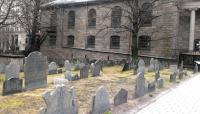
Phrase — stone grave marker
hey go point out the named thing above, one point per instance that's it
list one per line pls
(12, 85)
(96, 70)
(68, 75)
(121, 97)
(173, 77)
(60, 81)
(67, 65)
(160, 83)
(151, 86)
(126, 66)
(35, 70)
(100, 102)
(173, 68)
(2, 67)
(84, 72)
(157, 65)
(12, 71)
(152, 65)
(75, 77)
(141, 66)
(157, 75)
(61, 100)
(52, 68)
(140, 85)
(196, 68)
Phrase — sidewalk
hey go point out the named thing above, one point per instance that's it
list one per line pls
(185, 99)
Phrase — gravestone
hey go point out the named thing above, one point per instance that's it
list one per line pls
(84, 72)
(52, 68)
(35, 70)
(121, 97)
(61, 100)
(75, 77)
(12, 71)
(12, 85)
(96, 70)
(157, 65)
(126, 66)
(68, 75)
(196, 68)
(67, 65)
(141, 66)
(160, 83)
(2, 68)
(151, 87)
(140, 85)
(157, 75)
(92, 67)
(180, 75)
(60, 81)
(173, 77)
(99, 62)
(152, 65)
(100, 102)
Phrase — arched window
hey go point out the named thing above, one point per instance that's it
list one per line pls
(70, 41)
(116, 17)
(91, 41)
(71, 19)
(115, 42)
(146, 13)
(92, 18)
(144, 42)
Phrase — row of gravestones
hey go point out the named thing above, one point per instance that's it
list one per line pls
(35, 74)
(63, 100)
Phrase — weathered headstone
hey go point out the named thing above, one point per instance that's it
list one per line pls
(12, 71)
(52, 68)
(12, 85)
(157, 65)
(151, 87)
(60, 81)
(100, 102)
(152, 65)
(173, 77)
(96, 70)
(68, 75)
(196, 68)
(157, 75)
(2, 68)
(67, 65)
(180, 75)
(84, 72)
(160, 83)
(121, 97)
(140, 85)
(60, 101)
(141, 67)
(35, 70)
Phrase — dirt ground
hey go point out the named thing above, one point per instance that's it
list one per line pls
(29, 102)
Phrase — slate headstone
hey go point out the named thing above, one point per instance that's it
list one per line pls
(52, 68)
(96, 70)
(173, 77)
(60, 101)
(35, 70)
(196, 68)
(12, 85)
(100, 102)
(152, 65)
(84, 72)
(140, 85)
(151, 86)
(180, 75)
(157, 65)
(12, 71)
(68, 75)
(157, 75)
(67, 65)
(126, 67)
(141, 66)
(2, 68)
(160, 83)
(121, 97)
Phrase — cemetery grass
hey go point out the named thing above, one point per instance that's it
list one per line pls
(112, 78)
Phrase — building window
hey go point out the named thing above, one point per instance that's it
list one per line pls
(116, 17)
(115, 42)
(71, 19)
(70, 41)
(52, 40)
(91, 42)
(146, 13)
(144, 42)
(92, 18)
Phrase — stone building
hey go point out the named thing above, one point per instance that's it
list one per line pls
(78, 29)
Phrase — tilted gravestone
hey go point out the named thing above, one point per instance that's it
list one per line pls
(35, 70)
(160, 83)
(141, 66)
(126, 67)
(100, 102)
(60, 101)
(152, 65)
(140, 89)
(121, 97)
(12, 85)
(84, 72)
(68, 75)
(12, 71)
(52, 68)
(67, 65)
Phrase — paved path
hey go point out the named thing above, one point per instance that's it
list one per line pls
(185, 99)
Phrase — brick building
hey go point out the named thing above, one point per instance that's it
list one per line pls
(78, 29)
